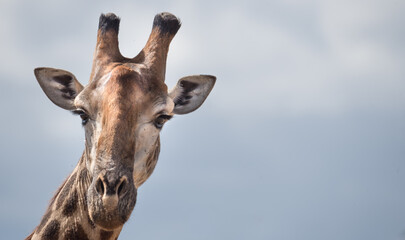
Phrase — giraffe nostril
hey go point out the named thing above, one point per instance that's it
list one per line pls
(100, 186)
(122, 186)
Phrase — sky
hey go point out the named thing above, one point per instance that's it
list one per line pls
(302, 137)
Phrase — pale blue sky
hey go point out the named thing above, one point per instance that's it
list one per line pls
(303, 136)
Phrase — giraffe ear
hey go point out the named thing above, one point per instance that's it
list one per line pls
(190, 92)
(60, 86)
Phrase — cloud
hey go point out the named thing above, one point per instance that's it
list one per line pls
(332, 62)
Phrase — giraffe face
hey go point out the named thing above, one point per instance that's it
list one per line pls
(122, 119)
(123, 109)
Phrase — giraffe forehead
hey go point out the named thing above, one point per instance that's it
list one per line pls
(122, 85)
(130, 84)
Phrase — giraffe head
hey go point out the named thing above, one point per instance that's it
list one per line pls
(123, 108)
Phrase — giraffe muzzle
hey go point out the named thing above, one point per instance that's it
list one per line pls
(111, 199)
(111, 191)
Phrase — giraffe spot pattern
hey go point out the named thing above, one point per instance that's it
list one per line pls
(44, 220)
(65, 190)
(70, 204)
(75, 232)
(51, 230)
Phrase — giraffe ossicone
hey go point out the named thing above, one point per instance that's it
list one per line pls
(123, 108)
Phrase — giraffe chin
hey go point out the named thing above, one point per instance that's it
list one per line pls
(109, 221)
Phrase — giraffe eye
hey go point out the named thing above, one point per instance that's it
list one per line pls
(83, 115)
(160, 121)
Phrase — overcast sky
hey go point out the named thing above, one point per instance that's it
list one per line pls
(303, 136)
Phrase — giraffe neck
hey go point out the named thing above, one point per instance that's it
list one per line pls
(67, 215)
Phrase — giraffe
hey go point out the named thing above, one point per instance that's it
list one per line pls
(122, 109)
